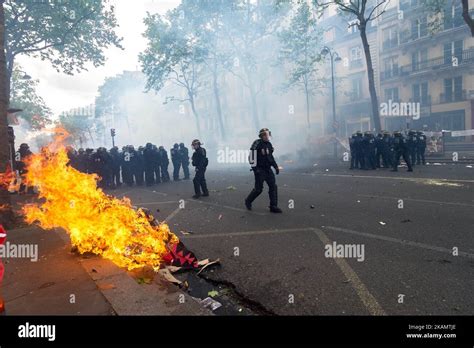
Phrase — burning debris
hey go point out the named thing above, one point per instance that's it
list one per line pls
(98, 223)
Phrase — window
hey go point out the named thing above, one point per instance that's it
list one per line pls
(419, 28)
(390, 37)
(452, 90)
(453, 49)
(356, 92)
(420, 93)
(391, 94)
(419, 59)
(356, 53)
(452, 17)
(391, 67)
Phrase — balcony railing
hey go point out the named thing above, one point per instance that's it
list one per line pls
(453, 97)
(467, 57)
(425, 101)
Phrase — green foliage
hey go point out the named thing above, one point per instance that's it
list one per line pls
(67, 33)
(23, 96)
(300, 42)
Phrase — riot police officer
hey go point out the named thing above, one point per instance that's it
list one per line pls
(164, 163)
(149, 165)
(115, 167)
(176, 159)
(139, 167)
(352, 146)
(360, 162)
(21, 156)
(412, 145)
(200, 162)
(400, 148)
(184, 157)
(368, 149)
(420, 148)
(262, 161)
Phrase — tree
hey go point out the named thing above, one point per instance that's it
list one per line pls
(68, 33)
(78, 126)
(439, 6)
(5, 214)
(363, 12)
(174, 54)
(299, 49)
(23, 96)
(249, 26)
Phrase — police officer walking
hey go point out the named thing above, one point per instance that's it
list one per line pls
(262, 161)
(200, 162)
(400, 148)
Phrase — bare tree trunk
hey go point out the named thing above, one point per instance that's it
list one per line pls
(467, 17)
(196, 116)
(218, 102)
(370, 74)
(6, 216)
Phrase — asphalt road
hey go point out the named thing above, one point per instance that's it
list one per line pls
(279, 261)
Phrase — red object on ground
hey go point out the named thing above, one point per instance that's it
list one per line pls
(180, 256)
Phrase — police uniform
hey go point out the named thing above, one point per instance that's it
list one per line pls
(200, 162)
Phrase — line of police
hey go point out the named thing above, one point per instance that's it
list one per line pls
(146, 165)
(385, 150)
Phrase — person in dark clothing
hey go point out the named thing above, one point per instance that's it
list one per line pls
(115, 167)
(81, 161)
(156, 164)
(164, 163)
(368, 149)
(176, 159)
(148, 161)
(128, 162)
(102, 165)
(139, 167)
(89, 161)
(379, 150)
(412, 145)
(262, 152)
(200, 162)
(420, 148)
(386, 152)
(21, 156)
(360, 162)
(400, 148)
(184, 157)
(352, 146)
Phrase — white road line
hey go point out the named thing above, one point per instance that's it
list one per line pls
(227, 207)
(249, 233)
(364, 294)
(151, 203)
(155, 192)
(386, 177)
(419, 200)
(172, 215)
(400, 241)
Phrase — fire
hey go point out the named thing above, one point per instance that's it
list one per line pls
(9, 181)
(95, 222)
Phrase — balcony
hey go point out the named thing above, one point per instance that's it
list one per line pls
(467, 57)
(453, 97)
(356, 63)
(425, 101)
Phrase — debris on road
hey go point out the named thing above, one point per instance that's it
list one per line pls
(382, 223)
(210, 303)
(312, 206)
(231, 188)
(220, 217)
(213, 293)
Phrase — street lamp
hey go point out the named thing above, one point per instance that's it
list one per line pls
(334, 58)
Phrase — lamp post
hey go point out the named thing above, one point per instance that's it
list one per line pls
(334, 58)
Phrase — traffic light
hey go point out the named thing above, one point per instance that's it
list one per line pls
(112, 132)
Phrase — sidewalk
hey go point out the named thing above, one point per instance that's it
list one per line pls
(61, 282)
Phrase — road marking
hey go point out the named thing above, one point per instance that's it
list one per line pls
(400, 241)
(172, 215)
(227, 207)
(387, 177)
(249, 233)
(419, 200)
(364, 294)
(155, 192)
(150, 203)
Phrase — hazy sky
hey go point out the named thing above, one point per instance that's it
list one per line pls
(62, 92)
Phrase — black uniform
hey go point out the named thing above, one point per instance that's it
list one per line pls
(387, 152)
(412, 145)
(368, 149)
(352, 146)
(115, 167)
(200, 162)
(164, 163)
(184, 157)
(23, 153)
(360, 162)
(420, 148)
(176, 159)
(139, 167)
(379, 151)
(128, 161)
(156, 164)
(262, 169)
(400, 148)
(148, 164)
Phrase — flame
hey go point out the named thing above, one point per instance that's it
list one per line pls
(95, 222)
(9, 180)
